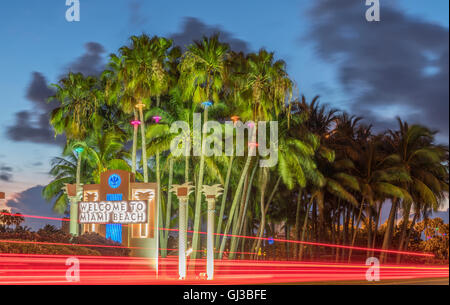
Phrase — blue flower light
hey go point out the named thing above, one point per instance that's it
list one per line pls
(207, 104)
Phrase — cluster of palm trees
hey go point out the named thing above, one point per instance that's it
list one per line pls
(7, 218)
(333, 175)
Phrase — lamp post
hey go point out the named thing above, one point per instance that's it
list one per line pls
(211, 193)
(182, 192)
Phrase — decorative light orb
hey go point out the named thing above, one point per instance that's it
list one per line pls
(235, 118)
(135, 122)
(252, 144)
(251, 124)
(79, 150)
(207, 104)
(156, 118)
(140, 105)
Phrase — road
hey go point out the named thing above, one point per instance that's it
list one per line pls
(52, 269)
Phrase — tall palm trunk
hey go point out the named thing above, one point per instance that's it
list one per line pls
(297, 222)
(389, 229)
(411, 228)
(355, 229)
(404, 228)
(247, 199)
(198, 195)
(305, 225)
(338, 231)
(224, 200)
(237, 194)
(144, 146)
(237, 219)
(377, 221)
(369, 229)
(264, 207)
(165, 238)
(133, 153)
(74, 227)
(186, 180)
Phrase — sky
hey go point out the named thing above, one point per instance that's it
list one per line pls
(380, 70)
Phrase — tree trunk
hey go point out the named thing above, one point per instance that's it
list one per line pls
(74, 226)
(369, 229)
(133, 153)
(305, 225)
(244, 210)
(168, 211)
(297, 222)
(198, 195)
(356, 230)
(389, 229)
(405, 242)
(236, 195)
(404, 229)
(338, 232)
(262, 222)
(144, 146)
(266, 208)
(224, 200)
(375, 233)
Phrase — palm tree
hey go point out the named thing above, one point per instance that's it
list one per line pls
(201, 78)
(379, 174)
(141, 75)
(266, 87)
(422, 159)
(115, 81)
(64, 172)
(104, 151)
(79, 99)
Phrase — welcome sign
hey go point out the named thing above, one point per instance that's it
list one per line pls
(121, 212)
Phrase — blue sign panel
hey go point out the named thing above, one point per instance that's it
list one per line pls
(114, 231)
(114, 181)
(114, 197)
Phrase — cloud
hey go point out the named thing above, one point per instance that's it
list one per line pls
(5, 173)
(195, 29)
(398, 66)
(33, 125)
(91, 63)
(30, 202)
(136, 18)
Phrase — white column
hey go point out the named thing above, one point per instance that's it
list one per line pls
(210, 239)
(182, 238)
(73, 216)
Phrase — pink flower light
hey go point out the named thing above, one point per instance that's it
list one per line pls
(135, 122)
(157, 118)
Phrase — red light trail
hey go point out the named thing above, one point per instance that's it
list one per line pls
(104, 270)
(264, 238)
